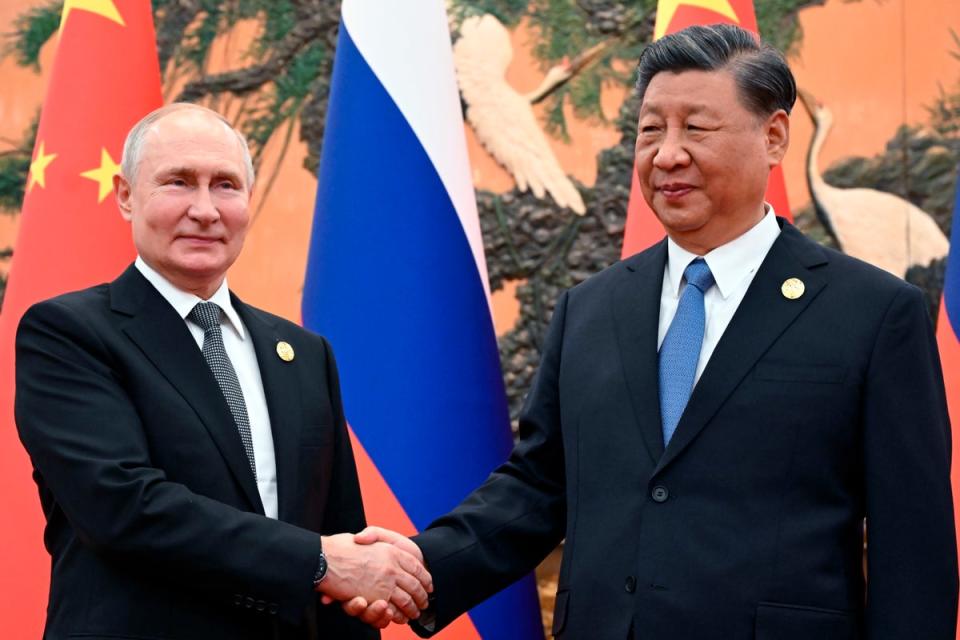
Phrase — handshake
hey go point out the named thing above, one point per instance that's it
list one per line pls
(377, 575)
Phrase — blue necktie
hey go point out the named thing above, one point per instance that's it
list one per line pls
(680, 350)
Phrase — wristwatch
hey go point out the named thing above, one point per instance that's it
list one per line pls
(321, 572)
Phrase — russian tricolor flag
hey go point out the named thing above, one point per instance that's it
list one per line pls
(948, 339)
(397, 281)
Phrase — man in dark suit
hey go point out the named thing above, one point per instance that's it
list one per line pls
(714, 418)
(190, 450)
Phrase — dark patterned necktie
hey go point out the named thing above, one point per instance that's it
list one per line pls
(207, 316)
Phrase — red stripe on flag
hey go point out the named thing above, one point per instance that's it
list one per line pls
(384, 510)
(949, 347)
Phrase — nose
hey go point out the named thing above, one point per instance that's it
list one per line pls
(202, 208)
(672, 152)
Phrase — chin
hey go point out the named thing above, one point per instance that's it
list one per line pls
(679, 221)
(201, 271)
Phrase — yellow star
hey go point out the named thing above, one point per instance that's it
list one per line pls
(105, 8)
(103, 174)
(38, 167)
(667, 8)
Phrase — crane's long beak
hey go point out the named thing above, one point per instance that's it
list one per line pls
(809, 103)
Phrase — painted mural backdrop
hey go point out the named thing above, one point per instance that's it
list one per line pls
(546, 91)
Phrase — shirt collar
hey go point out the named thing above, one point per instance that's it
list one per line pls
(184, 302)
(729, 263)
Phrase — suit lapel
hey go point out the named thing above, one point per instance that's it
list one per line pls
(763, 314)
(163, 337)
(281, 385)
(637, 316)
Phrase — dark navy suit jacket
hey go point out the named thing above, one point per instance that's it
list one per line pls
(812, 415)
(154, 522)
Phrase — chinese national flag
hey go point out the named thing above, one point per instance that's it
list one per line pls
(642, 227)
(104, 78)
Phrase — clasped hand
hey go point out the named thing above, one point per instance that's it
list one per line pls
(377, 575)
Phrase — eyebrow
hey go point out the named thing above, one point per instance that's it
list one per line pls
(694, 110)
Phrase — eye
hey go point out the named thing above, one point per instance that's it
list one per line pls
(649, 128)
(699, 126)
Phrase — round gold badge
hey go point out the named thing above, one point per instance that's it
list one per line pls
(792, 288)
(285, 351)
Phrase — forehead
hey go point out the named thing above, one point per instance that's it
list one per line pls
(692, 90)
(191, 137)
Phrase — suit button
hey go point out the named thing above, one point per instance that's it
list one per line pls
(630, 585)
(659, 493)
(249, 602)
(273, 608)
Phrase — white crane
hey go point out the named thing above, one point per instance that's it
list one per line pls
(502, 118)
(875, 226)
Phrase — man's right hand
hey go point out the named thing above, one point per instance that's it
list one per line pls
(375, 572)
(371, 535)
(379, 613)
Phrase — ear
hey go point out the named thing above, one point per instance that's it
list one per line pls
(121, 187)
(777, 134)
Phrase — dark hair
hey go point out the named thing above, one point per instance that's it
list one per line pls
(764, 80)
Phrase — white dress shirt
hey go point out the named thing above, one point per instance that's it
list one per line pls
(733, 266)
(240, 350)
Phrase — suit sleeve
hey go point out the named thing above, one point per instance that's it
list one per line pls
(503, 529)
(911, 545)
(344, 511)
(92, 458)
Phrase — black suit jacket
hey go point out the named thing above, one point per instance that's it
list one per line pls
(154, 522)
(811, 415)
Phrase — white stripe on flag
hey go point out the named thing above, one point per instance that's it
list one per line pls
(407, 44)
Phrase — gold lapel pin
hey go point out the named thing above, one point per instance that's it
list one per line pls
(285, 351)
(792, 288)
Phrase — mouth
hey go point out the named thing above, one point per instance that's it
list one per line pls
(675, 190)
(200, 240)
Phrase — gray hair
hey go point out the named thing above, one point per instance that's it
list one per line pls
(133, 145)
(764, 81)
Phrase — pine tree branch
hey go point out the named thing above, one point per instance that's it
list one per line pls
(316, 19)
(171, 26)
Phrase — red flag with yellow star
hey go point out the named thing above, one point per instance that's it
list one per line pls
(104, 78)
(642, 227)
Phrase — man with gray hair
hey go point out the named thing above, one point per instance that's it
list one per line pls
(714, 418)
(190, 450)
